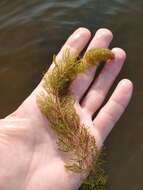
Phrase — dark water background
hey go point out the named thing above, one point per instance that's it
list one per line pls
(32, 30)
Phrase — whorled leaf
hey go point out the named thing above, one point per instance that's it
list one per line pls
(57, 104)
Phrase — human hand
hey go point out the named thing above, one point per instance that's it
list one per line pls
(29, 156)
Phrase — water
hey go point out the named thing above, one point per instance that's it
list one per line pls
(31, 30)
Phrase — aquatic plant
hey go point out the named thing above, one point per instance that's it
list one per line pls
(57, 104)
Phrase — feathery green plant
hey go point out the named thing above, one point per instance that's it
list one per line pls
(57, 104)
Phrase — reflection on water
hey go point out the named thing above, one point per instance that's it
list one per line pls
(31, 30)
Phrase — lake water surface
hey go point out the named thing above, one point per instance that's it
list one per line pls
(32, 30)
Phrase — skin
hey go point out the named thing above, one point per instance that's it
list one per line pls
(29, 158)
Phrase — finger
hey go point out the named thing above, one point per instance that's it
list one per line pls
(112, 111)
(102, 38)
(75, 43)
(102, 84)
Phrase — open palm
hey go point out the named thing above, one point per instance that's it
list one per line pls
(29, 158)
